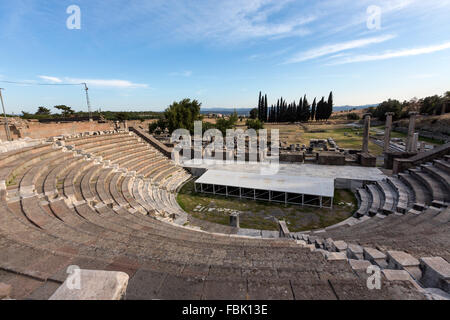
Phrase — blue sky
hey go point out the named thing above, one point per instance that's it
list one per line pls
(143, 55)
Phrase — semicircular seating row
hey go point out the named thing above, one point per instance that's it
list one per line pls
(406, 212)
(104, 202)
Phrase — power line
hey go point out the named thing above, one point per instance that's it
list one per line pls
(55, 84)
(42, 84)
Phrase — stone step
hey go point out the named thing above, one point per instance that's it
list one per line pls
(403, 197)
(364, 202)
(376, 199)
(389, 197)
(436, 189)
(436, 273)
(421, 193)
(443, 165)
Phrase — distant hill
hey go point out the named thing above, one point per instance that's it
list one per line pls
(226, 111)
(347, 108)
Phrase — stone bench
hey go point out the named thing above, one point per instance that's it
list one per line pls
(421, 195)
(93, 285)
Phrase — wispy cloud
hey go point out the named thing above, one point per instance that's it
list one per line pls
(51, 79)
(106, 83)
(220, 21)
(186, 74)
(394, 54)
(336, 48)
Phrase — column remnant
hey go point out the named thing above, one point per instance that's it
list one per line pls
(411, 129)
(365, 147)
(387, 131)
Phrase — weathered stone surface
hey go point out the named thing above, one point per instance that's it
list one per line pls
(397, 275)
(436, 273)
(355, 251)
(5, 290)
(340, 246)
(283, 229)
(375, 256)
(359, 264)
(332, 256)
(94, 285)
(400, 259)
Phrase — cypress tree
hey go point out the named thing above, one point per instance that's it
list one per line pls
(306, 109)
(266, 109)
(259, 105)
(330, 105)
(300, 110)
(313, 110)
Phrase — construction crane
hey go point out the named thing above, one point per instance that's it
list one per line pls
(87, 101)
(8, 133)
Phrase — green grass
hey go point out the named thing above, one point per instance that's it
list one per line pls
(353, 139)
(395, 134)
(261, 214)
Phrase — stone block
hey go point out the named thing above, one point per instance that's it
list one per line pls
(401, 260)
(397, 275)
(284, 231)
(375, 256)
(328, 244)
(355, 252)
(234, 220)
(340, 246)
(93, 285)
(5, 290)
(336, 256)
(359, 264)
(435, 273)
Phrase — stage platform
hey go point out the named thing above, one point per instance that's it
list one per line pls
(288, 189)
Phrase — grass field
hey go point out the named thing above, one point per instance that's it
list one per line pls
(395, 134)
(345, 136)
(260, 215)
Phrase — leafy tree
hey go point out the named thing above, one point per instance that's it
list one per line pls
(255, 124)
(254, 113)
(224, 124)
(388, 106)
(122, 116)
(353, 116)
(65, 110)
(43, 111)
(182, 115)
(431, 105)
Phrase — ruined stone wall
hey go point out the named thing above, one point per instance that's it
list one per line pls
(36, 130)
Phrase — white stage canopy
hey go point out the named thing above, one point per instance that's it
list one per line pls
(314, 186)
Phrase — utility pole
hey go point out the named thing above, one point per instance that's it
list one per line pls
(88, 102)
(8, 133)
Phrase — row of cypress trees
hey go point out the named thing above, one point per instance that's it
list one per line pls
(302, 111)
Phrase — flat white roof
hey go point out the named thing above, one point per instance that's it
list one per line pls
(303, 170)
(315, 186)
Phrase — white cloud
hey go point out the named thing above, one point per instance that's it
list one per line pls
(106, 83)
(51, 79)
(229, 21)
(394, 54)
(336, 48)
